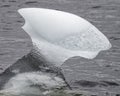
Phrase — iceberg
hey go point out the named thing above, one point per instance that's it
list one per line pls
(58, 35)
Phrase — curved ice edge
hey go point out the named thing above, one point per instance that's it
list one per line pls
(53, 53)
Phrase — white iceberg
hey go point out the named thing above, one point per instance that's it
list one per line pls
(60, 35)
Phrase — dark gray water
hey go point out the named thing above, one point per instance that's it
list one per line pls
(100, 75)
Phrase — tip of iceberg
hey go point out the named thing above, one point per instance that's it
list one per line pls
(62, 35)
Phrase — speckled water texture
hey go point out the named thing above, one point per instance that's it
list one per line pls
(100, 76)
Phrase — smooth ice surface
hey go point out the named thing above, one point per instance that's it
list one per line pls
(62, 35)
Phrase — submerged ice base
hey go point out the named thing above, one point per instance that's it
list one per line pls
(59, 35)
(32, 83)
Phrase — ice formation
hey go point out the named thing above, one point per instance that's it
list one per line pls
(32, 83)
(60, 35)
